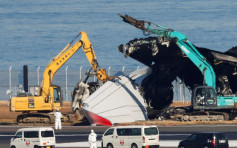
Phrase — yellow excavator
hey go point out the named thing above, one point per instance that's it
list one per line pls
(50, 97)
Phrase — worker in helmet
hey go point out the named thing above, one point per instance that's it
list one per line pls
(92, 139)
(57, 117)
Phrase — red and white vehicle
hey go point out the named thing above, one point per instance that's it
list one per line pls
(41, 137)
(131, 137)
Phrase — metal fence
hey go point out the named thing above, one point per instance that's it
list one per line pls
(11, 81)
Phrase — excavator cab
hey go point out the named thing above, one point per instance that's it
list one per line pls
(204, 97)
(57, 94)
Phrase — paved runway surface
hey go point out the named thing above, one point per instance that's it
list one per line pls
(77, 136)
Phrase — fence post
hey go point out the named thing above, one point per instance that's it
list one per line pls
(10, 81)
(138, 68)
(80, 72)
(38, 69)
(177, 89)
(123, 68)
(180, 90)
(66, 83)
(109, 70)
(184, 93)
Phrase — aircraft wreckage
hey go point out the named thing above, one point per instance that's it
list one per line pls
(209, 74)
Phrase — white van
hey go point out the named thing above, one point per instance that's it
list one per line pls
(41, 137)
(131, 137)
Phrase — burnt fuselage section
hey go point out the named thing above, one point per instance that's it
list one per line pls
(169, 62)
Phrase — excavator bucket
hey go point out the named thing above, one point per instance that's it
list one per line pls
(140, 24)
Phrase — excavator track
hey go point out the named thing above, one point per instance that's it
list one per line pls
(205, 116)
(34, 118)
(42, 118)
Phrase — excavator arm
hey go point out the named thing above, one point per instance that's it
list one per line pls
(90, 54)
(58, 61)
(167, 35)
(55, 64)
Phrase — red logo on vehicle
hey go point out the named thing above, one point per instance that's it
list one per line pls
(27, 143)
(122, 142)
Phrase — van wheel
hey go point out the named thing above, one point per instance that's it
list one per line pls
(13, 146)
(109, 146)
(181, 146)
(206, 147)
(134, 146)
(36, 146)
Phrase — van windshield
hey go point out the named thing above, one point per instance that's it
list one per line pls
(18, 135)
(151, 131)
(47, 134)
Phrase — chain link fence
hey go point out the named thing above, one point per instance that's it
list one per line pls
(12, 81)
